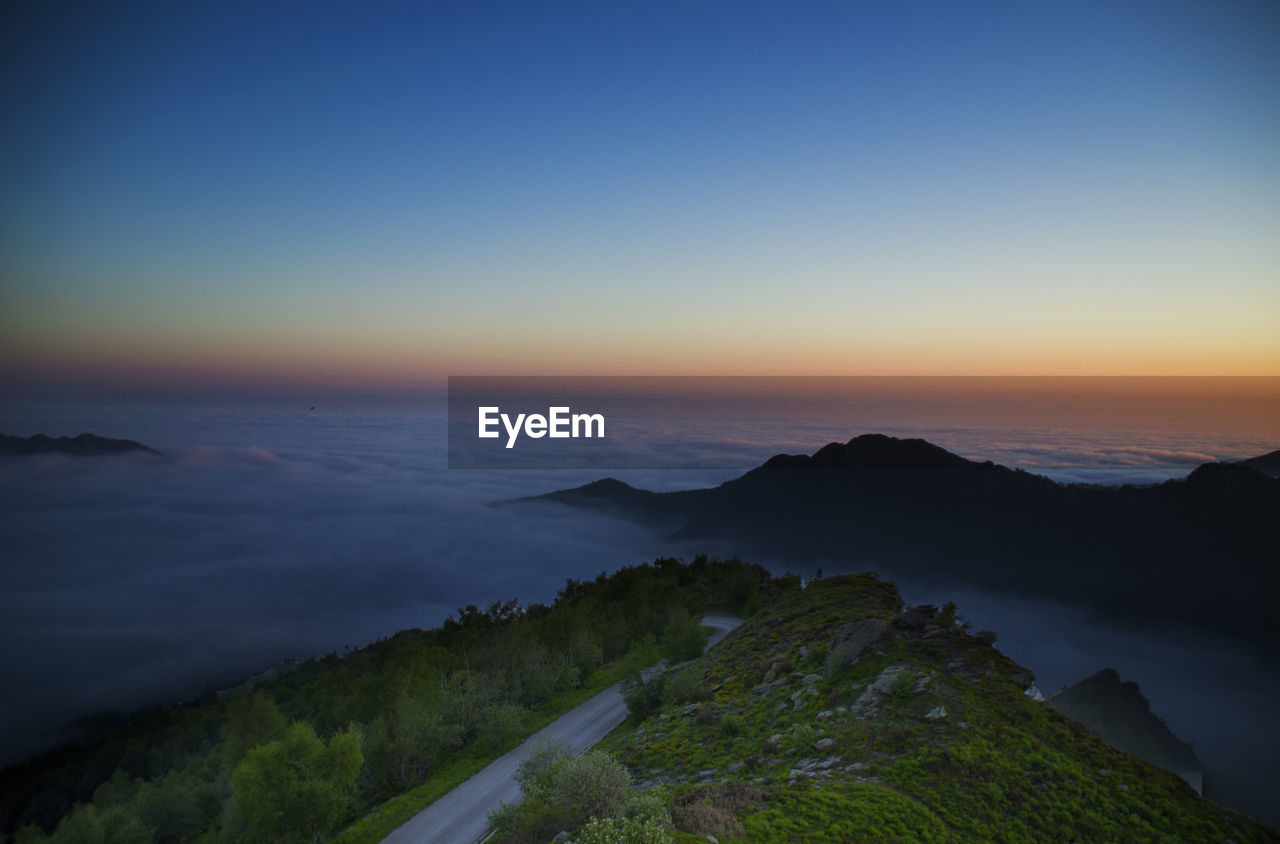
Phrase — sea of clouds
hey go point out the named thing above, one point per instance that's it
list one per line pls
(271, 531)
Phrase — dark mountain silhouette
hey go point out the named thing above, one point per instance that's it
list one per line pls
(85, 445)
(1199, 551)
(1121, 716)
(1266, 463)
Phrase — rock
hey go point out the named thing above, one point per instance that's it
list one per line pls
(987, 637)
(706, 774)
(824, 715)
(824, 743)
(869, 701)
(735, 767)
(764, 688)
(937, 713)
(797, 698)
(811, 678)
(711, 838)
(916, 618)
(921, 683)
(851, 641)
(1034, 693)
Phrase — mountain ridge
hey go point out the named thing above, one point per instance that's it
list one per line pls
(1197, 551)
(82, 445)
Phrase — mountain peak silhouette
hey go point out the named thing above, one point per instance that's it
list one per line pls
(872, 451)
(1197, 551)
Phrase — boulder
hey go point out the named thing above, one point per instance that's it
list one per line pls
(851, 641)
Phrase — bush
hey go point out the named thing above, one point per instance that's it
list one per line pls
(731, 726)
(540, 759)
(643, 695)
(624, 831)
(650, 804)
(683, 639)
(902, 688)
(562, 794)
(685, 686)
(706, 819)
(500, 726)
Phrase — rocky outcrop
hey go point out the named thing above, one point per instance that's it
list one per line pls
(851, 641)
(1119, 714)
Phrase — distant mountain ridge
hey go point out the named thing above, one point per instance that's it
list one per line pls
(1268, 463)
(1199, 551)
(1121, 716)
(84, 445)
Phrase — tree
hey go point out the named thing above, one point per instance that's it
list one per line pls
(298, 788)
(682, 638)
(562, 793)
(252, 719)
(401, 747)
(88, 825)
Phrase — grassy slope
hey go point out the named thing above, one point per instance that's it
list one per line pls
(998, 767)
(379, 823)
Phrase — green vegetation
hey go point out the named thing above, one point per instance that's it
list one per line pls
(562, 791)
(366, 740)
(297, 788)
(833, 714)
(802, 726)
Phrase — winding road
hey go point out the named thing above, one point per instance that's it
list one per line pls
(462, 814)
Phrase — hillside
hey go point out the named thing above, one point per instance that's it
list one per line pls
(366, 738)
(838, 716)
(1268, 464)
(1131, 554)
(1121, 716)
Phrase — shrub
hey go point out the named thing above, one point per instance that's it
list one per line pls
(902, 688)
(683, 639)
(685, 686)
(562, 793)
(804, 735)
(650, 804)
(592, 784)
(713, 810)
(643, 695)
(542, 756)
(500, 726)
(624, 831)
(731, 726)
(704, 818)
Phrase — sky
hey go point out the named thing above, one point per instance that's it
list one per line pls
(386, 193)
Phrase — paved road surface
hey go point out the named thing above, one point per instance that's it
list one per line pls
(461, 815)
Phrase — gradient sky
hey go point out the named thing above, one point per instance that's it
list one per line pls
(387, 193)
